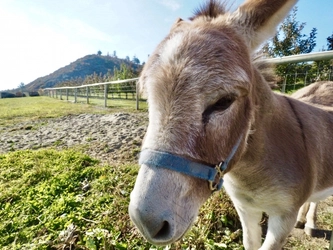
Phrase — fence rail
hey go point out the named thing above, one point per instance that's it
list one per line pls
(315, 56)
(128, 88)
(304, 75)
(101, 90)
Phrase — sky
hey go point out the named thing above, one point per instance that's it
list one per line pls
(37, 37)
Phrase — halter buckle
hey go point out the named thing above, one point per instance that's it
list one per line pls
(214, 185)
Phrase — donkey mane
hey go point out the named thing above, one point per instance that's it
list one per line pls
(210, 9)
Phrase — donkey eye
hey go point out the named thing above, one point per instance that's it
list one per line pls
(221, 105)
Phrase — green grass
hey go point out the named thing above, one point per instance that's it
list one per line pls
(13, 110)
(111, 103)
(55, 199)
(51, 198)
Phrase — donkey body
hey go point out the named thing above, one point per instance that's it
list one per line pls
(209, 103)
(319, 93)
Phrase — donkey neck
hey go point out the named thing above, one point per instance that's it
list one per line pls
(273, 147)
(270, 113)
(265, 103)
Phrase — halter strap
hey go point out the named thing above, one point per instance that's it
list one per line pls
(214, 175)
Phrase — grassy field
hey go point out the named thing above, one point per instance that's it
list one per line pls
(21, 109)
(32, 108)
(51, 199)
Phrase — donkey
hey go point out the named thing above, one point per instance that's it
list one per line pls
(318, 93)
(214, 120)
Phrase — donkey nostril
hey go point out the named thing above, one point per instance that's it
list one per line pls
(164, 231)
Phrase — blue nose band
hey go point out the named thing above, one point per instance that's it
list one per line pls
(214, 175)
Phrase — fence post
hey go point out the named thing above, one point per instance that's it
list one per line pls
(67, 94)
(283, 90)
(105, 95)
(75, 95)
(137, 94)
(306, 76)
(60, 94)
(87, 93)
(56, 93)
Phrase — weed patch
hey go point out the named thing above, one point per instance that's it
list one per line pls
(44, 193)
(53, 199)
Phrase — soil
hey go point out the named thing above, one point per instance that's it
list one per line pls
(109, 138)
(113, 138)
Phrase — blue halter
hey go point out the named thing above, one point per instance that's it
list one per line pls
(214, 175)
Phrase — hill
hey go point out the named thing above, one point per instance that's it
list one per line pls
(82, 67)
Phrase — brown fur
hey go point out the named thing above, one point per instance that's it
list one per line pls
(319, 93)
(316, 93)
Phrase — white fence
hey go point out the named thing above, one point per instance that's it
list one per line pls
(121, 89)
(315, 56)
(127, 89)
(303, 77)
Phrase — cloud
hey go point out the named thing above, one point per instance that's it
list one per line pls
(171, 4)
(71, 27)
(81, 29)
(32, 49)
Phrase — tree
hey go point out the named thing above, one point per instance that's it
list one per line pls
(21, 86)
(135, 60)
(99, 53)
(289, 40)
(125, 72)
(330, 42)
(322, 70)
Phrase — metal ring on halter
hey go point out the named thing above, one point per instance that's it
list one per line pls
(217, 183)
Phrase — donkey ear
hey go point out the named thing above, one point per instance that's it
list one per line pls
(258, 19)
(176, 24)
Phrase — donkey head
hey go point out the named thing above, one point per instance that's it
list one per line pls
(199, 84)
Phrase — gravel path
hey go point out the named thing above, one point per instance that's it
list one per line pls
(109, 138)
